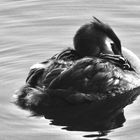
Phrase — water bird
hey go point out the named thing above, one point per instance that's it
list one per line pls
(97, 79)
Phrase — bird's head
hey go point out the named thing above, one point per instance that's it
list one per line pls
(95, 38)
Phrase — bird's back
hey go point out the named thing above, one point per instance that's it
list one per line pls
(94, 76)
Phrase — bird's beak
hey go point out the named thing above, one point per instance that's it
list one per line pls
(115, 56)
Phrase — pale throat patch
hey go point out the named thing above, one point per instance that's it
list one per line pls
(108, 43)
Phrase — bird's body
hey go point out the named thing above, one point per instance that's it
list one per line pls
(77, 80)
(80, 83)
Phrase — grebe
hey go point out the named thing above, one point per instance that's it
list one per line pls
(96, 78)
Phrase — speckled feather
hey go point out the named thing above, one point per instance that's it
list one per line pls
(83, 80)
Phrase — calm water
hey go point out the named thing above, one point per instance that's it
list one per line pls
(33, 30)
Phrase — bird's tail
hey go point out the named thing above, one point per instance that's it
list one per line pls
(30, 98)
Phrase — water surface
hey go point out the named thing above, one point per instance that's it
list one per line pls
(32, 31)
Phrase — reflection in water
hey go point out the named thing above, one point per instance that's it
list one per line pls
(90, 122)
(97, 125)
(101, 117)
(101, 139)
(99, 135)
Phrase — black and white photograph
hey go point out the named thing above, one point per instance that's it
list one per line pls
(69, 70)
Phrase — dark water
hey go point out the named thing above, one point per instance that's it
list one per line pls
(33, 30)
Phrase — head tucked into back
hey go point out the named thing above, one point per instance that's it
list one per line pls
(90, 39)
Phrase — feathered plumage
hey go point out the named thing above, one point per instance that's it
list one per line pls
(83, 80)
